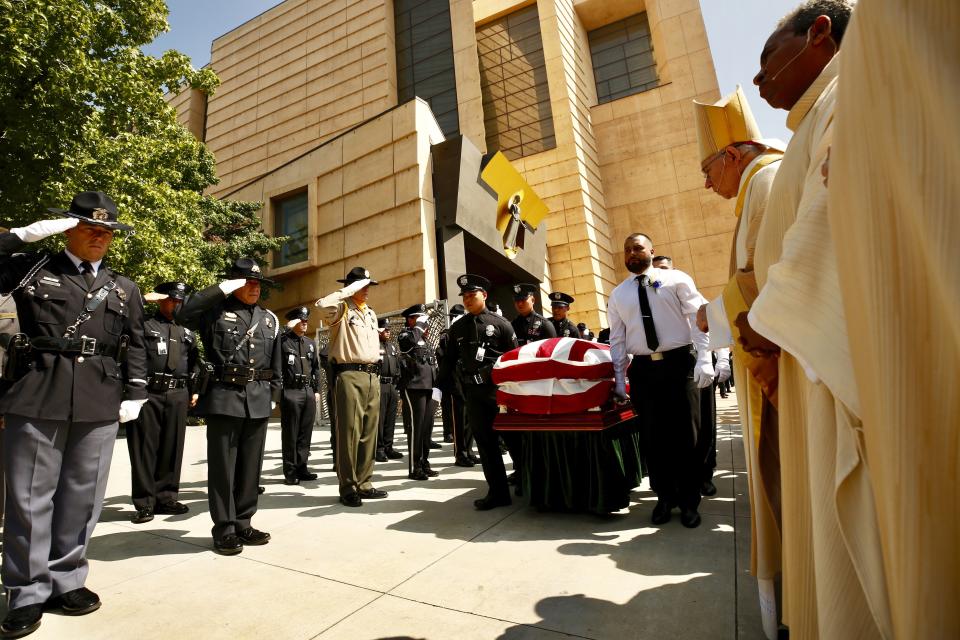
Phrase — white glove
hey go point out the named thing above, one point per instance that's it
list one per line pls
(437, 395)
(273, 405)
(44, 229)
(723, 366)
(703, 374)
(130, 409)
(229, 286)
(351, 289)
(422, 321)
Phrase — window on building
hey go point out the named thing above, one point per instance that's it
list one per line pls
(290, 219)
(622, 55)
(513, 80)
(425, 65)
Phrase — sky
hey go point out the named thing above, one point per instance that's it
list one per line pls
(736, 29)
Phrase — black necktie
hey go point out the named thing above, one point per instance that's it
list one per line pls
(648, 329)
(87, 270)
(174, 353)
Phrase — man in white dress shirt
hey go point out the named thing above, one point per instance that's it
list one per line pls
(652, 317)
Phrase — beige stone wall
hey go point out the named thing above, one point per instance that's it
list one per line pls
(466, 61)
(648, 154)
(371, 194)
(191, 106)
(296, 75)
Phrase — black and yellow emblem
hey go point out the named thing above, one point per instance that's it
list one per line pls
(519, 209)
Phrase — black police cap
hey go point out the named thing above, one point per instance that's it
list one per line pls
(415, 310)
(457, 310)
(559, 299)
(524, 289)
(470, 282)
(175, 290)
(298, 313)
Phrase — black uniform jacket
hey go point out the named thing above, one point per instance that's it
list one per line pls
(390, 361)
(162, 337)
(565, 328)
(223, 324)
(532, 328)
(300, 358)
(67, 386)
(486, 331)
(418, 360)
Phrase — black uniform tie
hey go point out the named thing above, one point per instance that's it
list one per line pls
(86, 269)
(649, 329)
(175, 353)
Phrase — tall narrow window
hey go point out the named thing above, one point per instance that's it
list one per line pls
(622, 55)
(290, 219)
(513, 79)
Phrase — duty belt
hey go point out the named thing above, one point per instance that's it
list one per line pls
(357, 366)
(161, 382)
(82, 346)
(482, 376)
(241, 375)
(388, 379)
(296, 381)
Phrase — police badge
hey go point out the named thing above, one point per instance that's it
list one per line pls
(489, 330)
(100, 214)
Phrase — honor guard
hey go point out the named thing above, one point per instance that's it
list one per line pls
(355, 355)
(389, 395)
(298, 400)
(560, 306)
(529, 325)
(76, 367)
(241, 341)
(451, 404)
(418, 379)
(475, 343)
(155, 441)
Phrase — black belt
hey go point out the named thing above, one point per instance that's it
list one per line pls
(388, 379)
(658, 356)
(478, 377)
(241, 375)
(79, 346)
(357, 366)
(296, 384)
(165, 382)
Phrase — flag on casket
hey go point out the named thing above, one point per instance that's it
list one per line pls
(554, 376)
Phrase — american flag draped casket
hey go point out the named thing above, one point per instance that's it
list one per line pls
(554, 376)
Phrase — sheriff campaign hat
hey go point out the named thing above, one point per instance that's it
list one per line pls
(94, 207)
(357, 273)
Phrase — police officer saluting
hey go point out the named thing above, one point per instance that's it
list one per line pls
(301, 392)
(240, 339)
(155, 442)
(389, 396)
(560, 305)
(419, 379)
(475, 343)
(79, 367)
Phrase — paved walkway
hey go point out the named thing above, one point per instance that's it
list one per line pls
(421, 564)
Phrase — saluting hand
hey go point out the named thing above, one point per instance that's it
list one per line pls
(229, 286)
(44, 229)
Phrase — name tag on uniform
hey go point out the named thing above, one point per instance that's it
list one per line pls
(162, 347)
(480, 353)
(51, 281)
(230, 316)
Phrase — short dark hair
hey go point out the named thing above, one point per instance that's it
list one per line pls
(659, 258)
(803, 17)
(638, 235)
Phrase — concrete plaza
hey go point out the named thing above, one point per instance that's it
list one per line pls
(420, 564)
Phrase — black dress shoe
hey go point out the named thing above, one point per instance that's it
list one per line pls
(171, 508)
(261, 490)
(708, 488)
(143, 515)
(253, 536)
(306, 476)
(435, 445)
(661, 513)
(78, 602)
(21, 621)
(393, 454)
(448, 439)
(291, 481)
(372, 494)
(463, 462)
(228, 545)
(351, 500)
(489, 502)
(418, 474)
(430, 472)
(380, 457)
(689, 518)
(474, 459)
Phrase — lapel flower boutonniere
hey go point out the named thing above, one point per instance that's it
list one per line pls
(653, 284)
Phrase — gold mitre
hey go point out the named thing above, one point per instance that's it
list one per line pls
(721, 124)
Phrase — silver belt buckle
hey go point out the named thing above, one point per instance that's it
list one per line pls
(252, 377)
(88, 346)
(656, 356)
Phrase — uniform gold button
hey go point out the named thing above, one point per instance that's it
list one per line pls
(89, 295)
(251, 360)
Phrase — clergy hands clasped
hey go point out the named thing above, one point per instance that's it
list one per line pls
(751, 341)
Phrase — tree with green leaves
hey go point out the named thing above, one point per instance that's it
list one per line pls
(82, 108)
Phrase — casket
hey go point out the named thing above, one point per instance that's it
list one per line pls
(578, 421)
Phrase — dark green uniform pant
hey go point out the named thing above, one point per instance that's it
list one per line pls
(357, 401)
